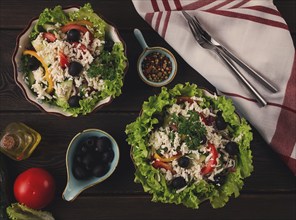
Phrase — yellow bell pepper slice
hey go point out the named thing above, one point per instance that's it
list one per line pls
(81, 22)
(47, 76)
(156, 156)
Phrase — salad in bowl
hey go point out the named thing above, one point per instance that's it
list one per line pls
(189, 146)
(70, 61)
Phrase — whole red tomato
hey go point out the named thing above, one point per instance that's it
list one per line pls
(35, 188)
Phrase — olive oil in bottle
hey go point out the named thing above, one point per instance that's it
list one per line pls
(18, 141)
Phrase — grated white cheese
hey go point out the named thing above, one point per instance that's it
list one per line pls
(38, 74)
(83, 52)
(159, 140)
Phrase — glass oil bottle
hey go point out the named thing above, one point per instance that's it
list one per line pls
(18, 141)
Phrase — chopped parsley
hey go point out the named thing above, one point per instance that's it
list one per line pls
(190, 128)
(105, 66)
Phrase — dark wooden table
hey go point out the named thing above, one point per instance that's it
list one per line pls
(270, 193)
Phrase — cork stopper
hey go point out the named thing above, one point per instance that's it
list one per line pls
(8, 142)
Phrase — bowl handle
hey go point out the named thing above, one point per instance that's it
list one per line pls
(71, 192)
(140, 38)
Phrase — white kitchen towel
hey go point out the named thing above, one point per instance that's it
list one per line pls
(253, 30)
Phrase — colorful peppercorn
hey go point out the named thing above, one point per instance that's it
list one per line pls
(156, 67)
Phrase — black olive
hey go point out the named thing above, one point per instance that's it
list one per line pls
(183, 162)
(178, 182)
(88, 160)
(80, 172)
(33, 63)
(160, 119)
(108, 46)
(73, 35)
(203, 139)
(99, 170)
(221, 124)
(73, 101)
(75, 68)
(107, 156)
(90, 142)
(219, 180)
(99, 148)
(103, 144)
(78, 158)
(81, 150)
(232, 148)
(219, 113)
(84, 149)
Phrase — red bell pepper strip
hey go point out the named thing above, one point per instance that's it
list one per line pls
(209, 167)
(157, 164)
(63, 60)
(80, 46)
(78, 27)
(50, 37)
(183, 99)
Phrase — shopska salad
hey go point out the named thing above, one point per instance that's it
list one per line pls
(189, 146)
(71, 62)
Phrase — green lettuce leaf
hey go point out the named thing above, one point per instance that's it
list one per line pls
(87, 13)
(153, 181)
(17, 211)
(49, 16)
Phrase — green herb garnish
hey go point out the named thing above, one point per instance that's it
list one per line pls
(191, 128)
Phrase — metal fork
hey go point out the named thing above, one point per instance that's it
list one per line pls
(202, 37)
(228, 54)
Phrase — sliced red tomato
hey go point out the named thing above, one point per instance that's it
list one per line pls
(212, 162)
(49, 36)
(157, 164)
(63, 60)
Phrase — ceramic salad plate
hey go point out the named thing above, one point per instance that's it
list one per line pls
(189, 146)
(70, 61)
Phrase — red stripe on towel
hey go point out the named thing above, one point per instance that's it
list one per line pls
(198, 4)
(284, 138)
(178, 4)
(287, 108)
(265, 9)
(240, 4)
(250, 17)
(165, 24)
(223, 3)
(154, 5)
(148, 17)
(158, 19)
(166, 5)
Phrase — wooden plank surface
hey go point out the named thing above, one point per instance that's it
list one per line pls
(270, 193)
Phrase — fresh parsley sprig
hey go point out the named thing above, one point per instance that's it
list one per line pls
(191, 128)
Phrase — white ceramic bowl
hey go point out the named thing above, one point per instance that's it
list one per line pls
(21, 44)
(148, 51)
(164, 52)
(74, 186)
